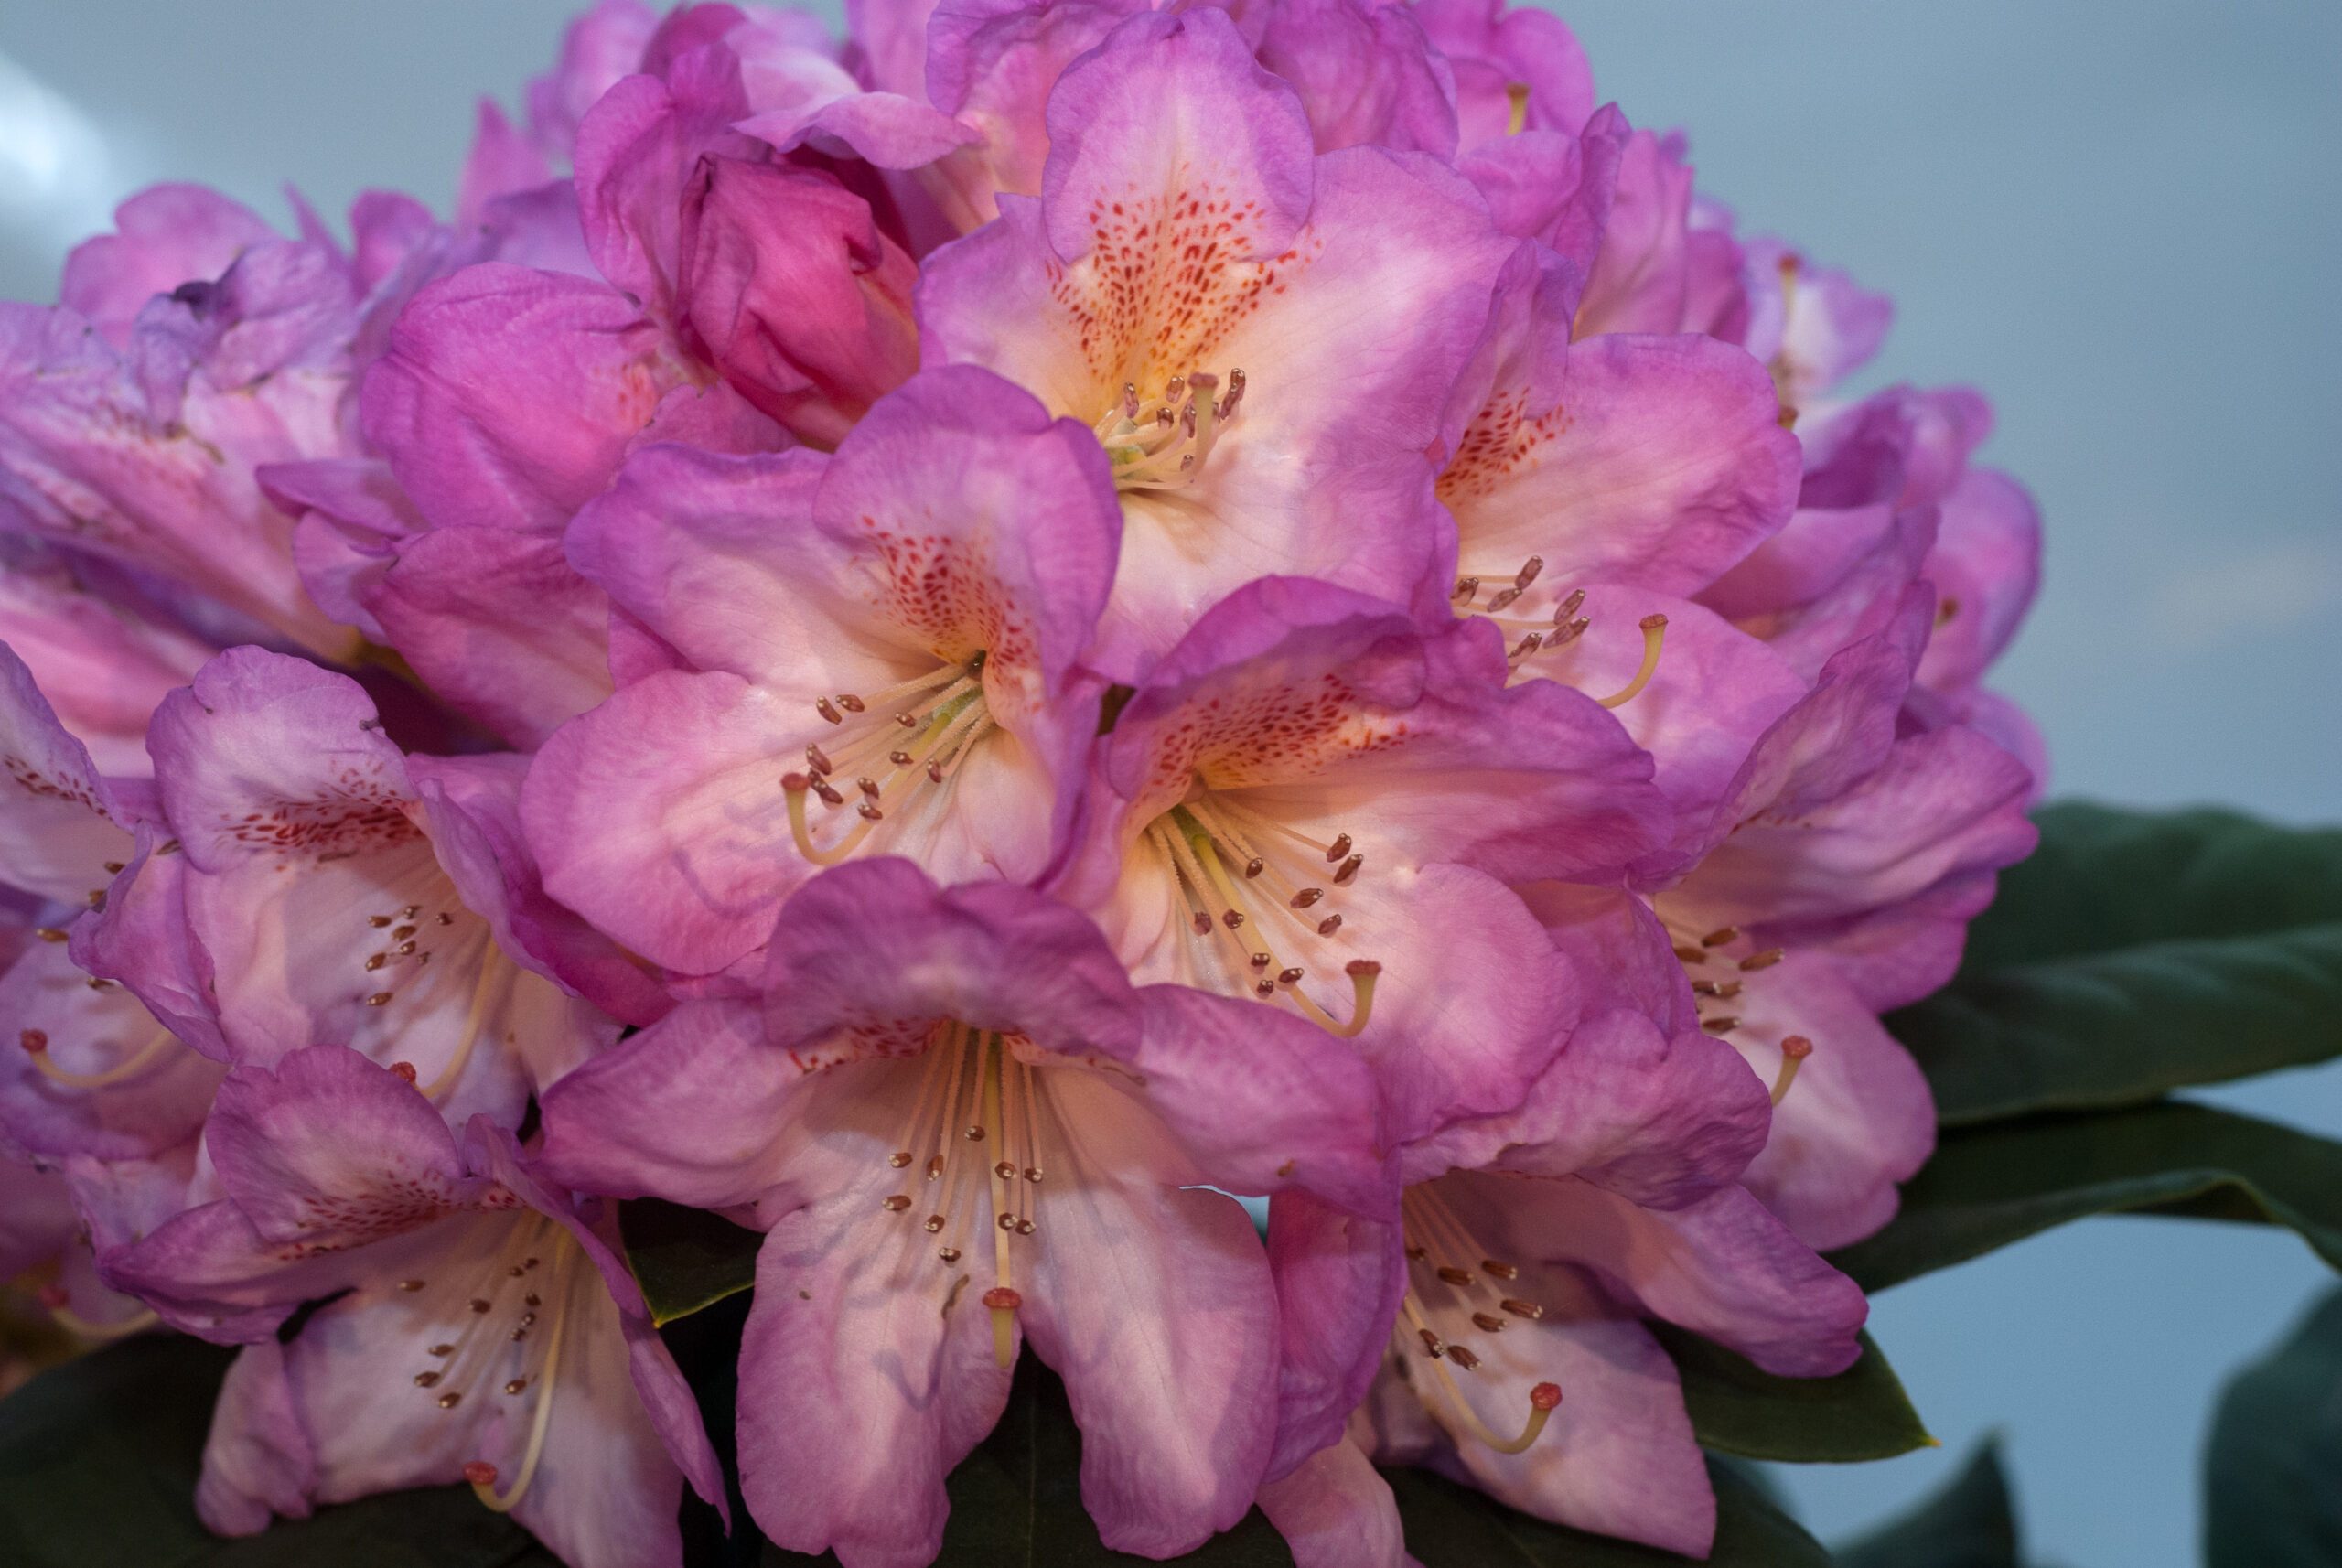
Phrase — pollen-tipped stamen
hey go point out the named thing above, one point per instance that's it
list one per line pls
(1794, 1050)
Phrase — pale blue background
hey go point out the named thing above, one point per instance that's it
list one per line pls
(2121, 219)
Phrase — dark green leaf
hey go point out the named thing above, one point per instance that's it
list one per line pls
(1992, 1185)
(1861, 1413)
(1968, 1524)
(1449, 1526)
(686, 1259)
(98, 1461)
(2273, 1469)
(2134, 954)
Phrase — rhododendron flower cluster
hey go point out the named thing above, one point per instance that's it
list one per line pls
(955, 644)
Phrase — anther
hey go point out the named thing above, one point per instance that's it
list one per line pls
(1488, 1323)
(1463, 1356)
(818, 760)
(426, 1379)
(1329, 925)
(1720, 936)
(934, 1167)
(1433, 1346)
(1529, 570)
(948, 1254)
(869, 787)
(1454, 1276)
(1289, 976)
(895, 1204)
(935, 772)
(1338, 848)
(1253, 868)
(1201, 922)
(974, 1134)
(1025, 1228)
(1262, 961)
(515, 1385)
(1527, 1309)
(442, 1349)
(1306, 897)
(828, 792)
(1690, 955)
(450, 1401)
(901, 758)
(907, 720)
(1005, 1170)
(378, 921)
(49, 933)
(828, 710)
(869, 812)
(402, 933)
(1349, 872)
(1032, 1173)
(1723, 1026)
(380, 999)
(849, 702)
(899, 1158)
(1497, 1270)
(1765, 960)
(1502, 599)
(377, 962)
(1722, 990)
(1569, 606)
(410, 1285)
(1466, 589)
(1265, 989)
(478, 1304)
(1231, 919)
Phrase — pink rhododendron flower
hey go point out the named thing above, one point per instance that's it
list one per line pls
(961, 1128)
(481, 1326)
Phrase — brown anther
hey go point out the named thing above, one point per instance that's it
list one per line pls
(518, 1335)
(442, 919)
(426, 1379)
(973, 1134)
(1722, 990)
(113, 865)
(34, 1041)
(478, 1304)
(1417, 1253)
(1454, 1276)
(1262, 960)
(901, 758)
(378, 921)
(1946, 610)
(1497, 1270)
(1349, 872)
(410, 1287)
(869, 787)
(1571, 632)
(1306, 897)
(533, 1298)
(899, 1158)
(1005, 1170)
(1569, 606)
(49, 933)
(935, 772)
(896, 1203)
(1527, 645)
(1466, 589)
(377, 962)
(818, 760)
(869, 812)
(849, 702)
(1253, 868)
(828, 710)
(1025, 1228)
(1463, 1356)
(404, 950)
(1032, 1173)
(1529, 570)
(1488, 1323)
(1008, 1222)
(948, 1254)
(1527, 1309)
(1690, 954)
(1432, 1345)
(1201, 922)
(1329, 925)
(1231, 919)
(1000, 1298)
(1723, 1026)
(1265, 988)
(830, 796)
(1765, 960)
(450, 1401)
(515, 1385)
(402, 933)
(1720, 936)
(1289, 976)
(442, 1349)
(1130, 399)
(934, 1167)
(907, 720)
(380, 999)
(97, 897)
(933, 1224)
(97, 982)
(1501, 598)
(1338, 848)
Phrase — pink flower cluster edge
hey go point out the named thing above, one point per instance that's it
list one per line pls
(953, 644)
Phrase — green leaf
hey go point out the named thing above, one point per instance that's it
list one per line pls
(686, 1259)
(98, 1461)
(1970, 1523)
(1861, 1413)
(1450, 1526)
(1992, 1185)
(2133, 954)
(2271, 1468)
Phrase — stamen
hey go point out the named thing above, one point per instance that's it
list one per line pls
(1654, 627)
(1794, 1050)
(36, 1044)
(493, 972)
